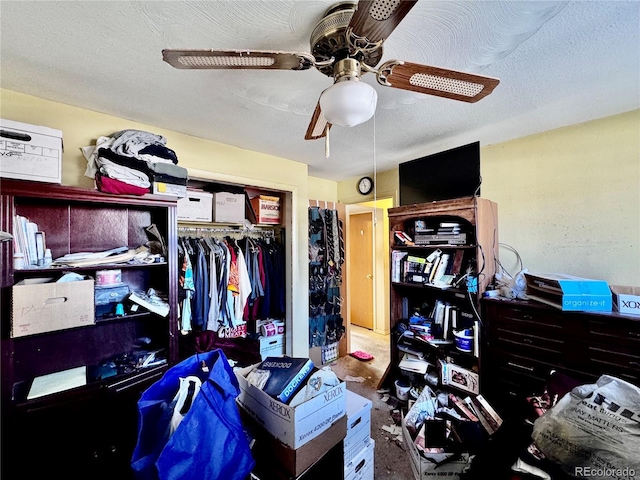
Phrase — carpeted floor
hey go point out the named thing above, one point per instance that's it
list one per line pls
(391, 461)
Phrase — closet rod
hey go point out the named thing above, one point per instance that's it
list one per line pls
(227, 231)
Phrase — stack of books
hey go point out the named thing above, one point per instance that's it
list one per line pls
(282, 377)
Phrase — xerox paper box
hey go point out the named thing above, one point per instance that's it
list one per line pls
(272, 346)
(626, 300)
(285, 462)
(358, 425)
(30, 152)
(293, 426)
(40, 305)
(433, 466)
(568, 292)
(360, 467)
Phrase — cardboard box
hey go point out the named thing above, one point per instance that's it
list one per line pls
(196, 207)
(360, 467)
(30, 152)
(626, 300)
(272, 346)
(40, 305)
(358, 425)
(293, 426)
(228, 207)
(431, 466)
(285, 462)
(568, 292)
(328, 353)
(266, 209)
(169, 189)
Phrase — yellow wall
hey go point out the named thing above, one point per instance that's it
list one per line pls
(203, 159)
(568, 199)
(322, 189)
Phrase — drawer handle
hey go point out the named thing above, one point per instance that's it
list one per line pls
(634, 364)
(527, 317)
(527, 340)
(528, 369)
(634, 334)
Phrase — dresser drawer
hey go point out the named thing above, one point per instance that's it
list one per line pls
(541, 347)
(614, 332)
(621, 362)
(527, 320)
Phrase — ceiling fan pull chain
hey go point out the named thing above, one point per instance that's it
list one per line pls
(326, 141)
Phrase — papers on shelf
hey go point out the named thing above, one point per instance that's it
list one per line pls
(57, 382)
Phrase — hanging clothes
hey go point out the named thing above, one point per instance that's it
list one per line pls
(226, 282)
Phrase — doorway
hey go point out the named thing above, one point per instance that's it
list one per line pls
(368, 254)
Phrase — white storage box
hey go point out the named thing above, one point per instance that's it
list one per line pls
(30, 152)
(41, 305)
(228, 207)
(626, 300)
(360, 467)
(196, 207)
(424, 468)
(293, 426)
(169, 189)
(272, 346)
(358, 425)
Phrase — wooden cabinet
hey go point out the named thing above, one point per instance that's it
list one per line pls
(87, 431)
(526, 340)
(476, 221)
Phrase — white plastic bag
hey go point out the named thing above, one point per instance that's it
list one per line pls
(594, 431)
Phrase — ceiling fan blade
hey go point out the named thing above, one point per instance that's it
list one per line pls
(318, 127)
(238, 59)
(376, 19)
(441, 82)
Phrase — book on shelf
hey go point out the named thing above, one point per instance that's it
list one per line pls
(286, 376)
(462, 408)
(486, 420)
(397, 257)
(489, 410)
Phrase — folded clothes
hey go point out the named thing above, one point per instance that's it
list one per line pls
(124, 174)
(159, 151)
(111, 185)
(130, 142)
(167, 172)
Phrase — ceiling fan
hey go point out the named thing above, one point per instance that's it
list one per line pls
(346, 44)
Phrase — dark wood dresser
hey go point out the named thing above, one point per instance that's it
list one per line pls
(523, 341)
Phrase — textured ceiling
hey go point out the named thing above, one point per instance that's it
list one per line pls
(559, 63)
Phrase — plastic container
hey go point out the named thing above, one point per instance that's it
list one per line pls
(18, 261)
(464, 340)
(402, 389)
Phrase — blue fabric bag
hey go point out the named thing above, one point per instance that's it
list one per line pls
(209, 443)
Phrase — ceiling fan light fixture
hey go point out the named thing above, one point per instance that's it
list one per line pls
(348, 102)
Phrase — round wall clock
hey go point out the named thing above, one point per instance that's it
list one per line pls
(365, 185)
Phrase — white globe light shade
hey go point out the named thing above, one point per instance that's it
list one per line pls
(348, 103)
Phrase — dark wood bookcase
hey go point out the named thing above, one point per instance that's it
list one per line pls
(88, 431)
(478, 218)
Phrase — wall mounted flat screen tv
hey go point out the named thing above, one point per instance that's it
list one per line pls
(446, 175)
